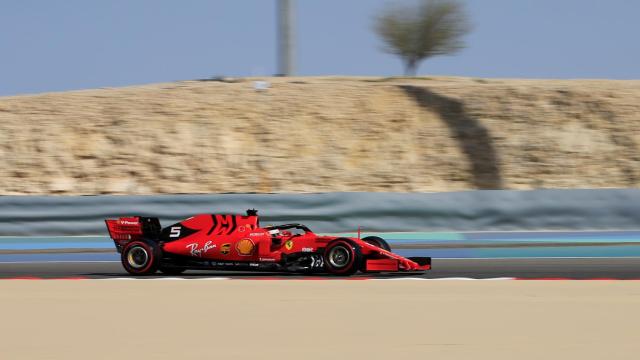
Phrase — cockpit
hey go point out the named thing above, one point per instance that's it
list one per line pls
(288, 230)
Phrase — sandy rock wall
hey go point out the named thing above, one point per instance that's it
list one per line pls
(323, 134)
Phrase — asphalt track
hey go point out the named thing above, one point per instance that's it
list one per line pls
(538, 268)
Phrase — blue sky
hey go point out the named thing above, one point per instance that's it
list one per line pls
(78, 44)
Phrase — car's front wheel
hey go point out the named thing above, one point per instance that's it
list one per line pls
(342, 257)
(140, 258)
(378, 242)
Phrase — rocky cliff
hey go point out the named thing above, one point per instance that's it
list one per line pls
(323, 134)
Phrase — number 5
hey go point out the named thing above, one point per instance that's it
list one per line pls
(175, 232)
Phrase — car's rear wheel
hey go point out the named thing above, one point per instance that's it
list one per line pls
(378, 242)
(342, 257)
(140, 258)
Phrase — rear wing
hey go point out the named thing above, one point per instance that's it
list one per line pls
(127, 229)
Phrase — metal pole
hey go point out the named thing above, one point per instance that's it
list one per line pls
(285, 38)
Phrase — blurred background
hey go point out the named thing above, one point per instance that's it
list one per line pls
(499, 137)
(152, 97)
(77, 45)
(459, 129)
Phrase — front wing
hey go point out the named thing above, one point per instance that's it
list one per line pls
(394, 262)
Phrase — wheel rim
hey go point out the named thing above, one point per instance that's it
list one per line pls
(137, 257)
(339, 257)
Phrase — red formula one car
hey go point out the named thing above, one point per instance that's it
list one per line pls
(238, 242)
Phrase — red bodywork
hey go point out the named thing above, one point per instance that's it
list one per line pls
(238, 238)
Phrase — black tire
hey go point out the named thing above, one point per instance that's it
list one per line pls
(342, 257)
(140, 258)
(172, 270)
(377, 241)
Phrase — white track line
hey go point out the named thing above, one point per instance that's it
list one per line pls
(398, 279)
(447, 279)
(303, 279)
(467, 279)
(164, 279)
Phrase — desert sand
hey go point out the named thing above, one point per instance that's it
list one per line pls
(246, 319)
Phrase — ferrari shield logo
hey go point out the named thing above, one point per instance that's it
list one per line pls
(288, 245)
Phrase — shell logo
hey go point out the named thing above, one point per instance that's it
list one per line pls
(288, 245)
(245, 247)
